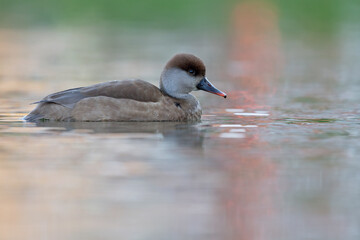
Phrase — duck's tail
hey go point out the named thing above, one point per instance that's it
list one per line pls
(48, 111)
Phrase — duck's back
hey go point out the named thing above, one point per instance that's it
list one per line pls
(131, 89)
(59, 105)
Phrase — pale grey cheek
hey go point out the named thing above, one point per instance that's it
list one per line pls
(189, 87)
(189, 83)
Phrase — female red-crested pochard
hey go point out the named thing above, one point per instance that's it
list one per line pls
(133, 100)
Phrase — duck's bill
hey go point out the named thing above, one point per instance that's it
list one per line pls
(207, 86)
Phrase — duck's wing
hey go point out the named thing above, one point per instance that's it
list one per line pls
(67, 98)
(129, 89)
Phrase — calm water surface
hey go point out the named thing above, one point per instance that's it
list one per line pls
(278, 159)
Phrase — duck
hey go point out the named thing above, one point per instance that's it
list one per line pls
(133, 100)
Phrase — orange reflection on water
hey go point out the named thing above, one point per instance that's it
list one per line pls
(256, 59)
(18, 64)
(255, 50)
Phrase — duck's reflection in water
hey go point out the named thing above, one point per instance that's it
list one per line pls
(106, 176)
(181, 133)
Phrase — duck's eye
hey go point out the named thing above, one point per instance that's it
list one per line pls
(192, 72)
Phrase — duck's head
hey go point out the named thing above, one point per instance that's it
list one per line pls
(185, 73)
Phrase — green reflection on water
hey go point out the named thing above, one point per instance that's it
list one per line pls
(296, 16)
(185, 13)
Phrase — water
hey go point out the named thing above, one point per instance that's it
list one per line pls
(277, 159)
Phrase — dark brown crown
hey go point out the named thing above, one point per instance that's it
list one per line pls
(187, 62)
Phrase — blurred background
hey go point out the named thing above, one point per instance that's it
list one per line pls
(64, 42)
(278, 159)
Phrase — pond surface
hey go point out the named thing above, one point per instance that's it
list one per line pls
(279, 159)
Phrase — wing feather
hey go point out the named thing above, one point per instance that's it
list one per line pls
(129, 89)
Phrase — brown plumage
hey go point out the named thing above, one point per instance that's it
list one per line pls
(131, 100)
(187, 62)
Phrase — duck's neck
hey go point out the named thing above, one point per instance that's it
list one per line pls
(175, 83)
(183, 96)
